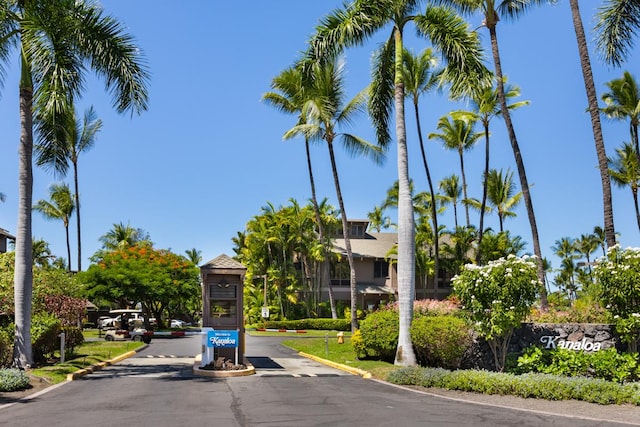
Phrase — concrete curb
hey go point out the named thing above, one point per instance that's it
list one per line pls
(351, 370)
(97, 366)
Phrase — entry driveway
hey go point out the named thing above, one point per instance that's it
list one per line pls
(158, 388)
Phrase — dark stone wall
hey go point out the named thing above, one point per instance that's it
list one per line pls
(575, 335)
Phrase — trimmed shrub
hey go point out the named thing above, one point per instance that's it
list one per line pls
(45, 331)
(6, 346)
(440, 341)
(13, 380)
(605, 364)
(379, 334)
(72, 338)
(540, 386)
(315, 324)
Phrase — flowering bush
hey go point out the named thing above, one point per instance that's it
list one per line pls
(497, 297)
(617, 275)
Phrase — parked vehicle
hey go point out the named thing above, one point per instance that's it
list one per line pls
(134, 332)
(175, 323)
(138, 334)
(134, 318)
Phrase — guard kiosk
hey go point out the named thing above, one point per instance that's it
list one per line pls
(222, 313)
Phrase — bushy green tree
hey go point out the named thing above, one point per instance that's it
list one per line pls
(156, 278)
(617, 275)
(497, 297)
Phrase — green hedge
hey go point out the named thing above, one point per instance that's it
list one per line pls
(539, 386)
(316, 324)
(440, 341)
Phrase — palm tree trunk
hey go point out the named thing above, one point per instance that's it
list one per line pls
(347, 241)
(23, 275)
(75, 183)
(434, 210)
(635, 204)
(405, 355)
(594, 112)
(464, 187)
(66, 231)
(325, 267)
(524, 184)
(483, 205)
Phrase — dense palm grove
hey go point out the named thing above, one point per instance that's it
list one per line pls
(287, 250)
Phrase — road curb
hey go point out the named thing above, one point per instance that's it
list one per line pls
(351, 370)
(97, 366)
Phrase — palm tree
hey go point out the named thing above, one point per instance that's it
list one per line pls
(419, 78)
(586, 245)
(291, 91)
(121, 236)
(452, 191)
(56, 150)
(491, 16)
(500, 194)
(594, 112)
(41, 253)
(625, 172)
(378, 220)
(324, 113)
(457, 134)
(598, 232)
(58, 41)
(623, 102)
(449, 34)
(194, 255)
(61, 207)
(616, 25)
(485, 105)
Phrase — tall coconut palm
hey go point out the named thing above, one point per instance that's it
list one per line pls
(594, 112)
(194, 255)
(625, 172)
(617, 23)
(57, 148)
(41, 253)
(420, 76)
(491, 11)
(352, 25)
(58, 42)
(501, 194)
(324, 113)
(457, 134)
(61, 207)
(586, 245)
(122, 235)
(378, 221)
(289, 95)
(452, 192)
(598, 232)
(622, 103)
(485, 106)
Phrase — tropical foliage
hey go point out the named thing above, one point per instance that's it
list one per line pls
(496, 298)
(617, 275)
(163, 283)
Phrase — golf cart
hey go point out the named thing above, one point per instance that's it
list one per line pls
(133, 332)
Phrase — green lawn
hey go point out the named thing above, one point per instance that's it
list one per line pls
(329, 349)
(87, 354)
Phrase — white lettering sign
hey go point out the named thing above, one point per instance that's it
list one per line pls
(553, 342)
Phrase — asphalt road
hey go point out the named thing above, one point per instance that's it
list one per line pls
(157, 387)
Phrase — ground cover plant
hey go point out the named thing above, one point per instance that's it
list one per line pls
(87, 354)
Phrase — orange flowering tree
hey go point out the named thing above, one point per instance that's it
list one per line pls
(163, 283)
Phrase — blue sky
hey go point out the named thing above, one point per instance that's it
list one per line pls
(208, 154)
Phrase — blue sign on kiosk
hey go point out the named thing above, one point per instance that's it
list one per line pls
(222, 339)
